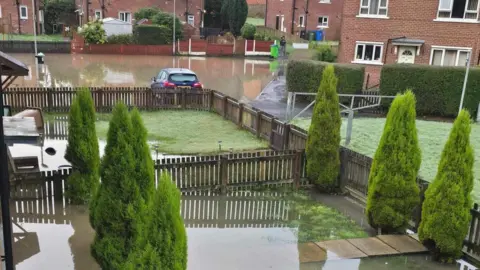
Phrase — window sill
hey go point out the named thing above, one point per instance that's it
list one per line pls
(362, 62)
(324, 2)
(322, 27)
(455, 20)
(373, 16)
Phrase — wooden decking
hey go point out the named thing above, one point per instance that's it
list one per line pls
(361, 247)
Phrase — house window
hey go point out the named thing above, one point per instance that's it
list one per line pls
(373, 7)
(301, 21)
(125, 16)
(323, 21)
(98, 14)
(0, 11)
(23, 12)
(325, 1)
(368, 52)
(449, 56)
(458, 9)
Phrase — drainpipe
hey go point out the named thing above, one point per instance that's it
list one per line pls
(386, 48)
(17, 2)
(266, 10)
(306, 18)
(293, 15)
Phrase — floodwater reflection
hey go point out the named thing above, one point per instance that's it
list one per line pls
(235, 77)
(224, 232)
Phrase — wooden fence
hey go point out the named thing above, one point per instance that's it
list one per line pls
(197, 211)
(234, 171)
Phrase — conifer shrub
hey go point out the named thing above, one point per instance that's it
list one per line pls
(446, 209)
(82, 149)
(323, 142)
(118, 204)
(393, 192)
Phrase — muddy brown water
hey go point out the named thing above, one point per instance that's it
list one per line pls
(236, 77)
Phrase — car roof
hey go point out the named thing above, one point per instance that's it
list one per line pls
(179, 70)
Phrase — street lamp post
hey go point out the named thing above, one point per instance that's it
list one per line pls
(469, 56)
(174, 17)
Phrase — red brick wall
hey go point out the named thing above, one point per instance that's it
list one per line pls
(409, 18)
(113, 7)
(333, 10)
(10, 10)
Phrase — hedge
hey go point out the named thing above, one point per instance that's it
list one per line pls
(305, 76)
(152, 35)
(437, 89)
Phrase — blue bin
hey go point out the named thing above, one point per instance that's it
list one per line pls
(319, 35)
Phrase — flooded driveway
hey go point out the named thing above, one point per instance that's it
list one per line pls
(236, 77)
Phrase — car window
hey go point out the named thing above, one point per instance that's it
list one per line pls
(160, 75)
(179, 77)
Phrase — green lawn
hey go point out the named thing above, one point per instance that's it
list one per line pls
(432, 135)
(27, 37)
(256, 21)
(189, 132)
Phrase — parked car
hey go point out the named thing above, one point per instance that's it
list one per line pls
(176, 78)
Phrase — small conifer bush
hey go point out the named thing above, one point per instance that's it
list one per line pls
(322, 148)
(446, 209)
(393, 192)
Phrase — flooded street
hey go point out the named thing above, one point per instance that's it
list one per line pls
(236, 77)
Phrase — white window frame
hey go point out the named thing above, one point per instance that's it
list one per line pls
(369, 62)
(1, 12)
(378, 15)
(124, 13)
(445, 48)
(191, 16)
(26, 12)
(301, 21)
(325, 2)
(323, 24)
(464, 13)
(99, 17)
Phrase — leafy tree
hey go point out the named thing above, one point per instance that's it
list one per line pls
(392, 187)
(82, 149)
(93, 32)
(166, 19)
(144, 169)
(323, 161)
(58, 12)
(146, 13)
(212, 15)
(118, 204)
(446, 209)
(235, 13)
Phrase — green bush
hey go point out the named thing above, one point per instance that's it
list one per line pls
(446, 209)
(234, 12)
(248, 31)
(438, 89)
(166, 19)
(121, 39)
(152, 35)
(82, 149)
(93, 32)
(261, 37)
(146, 13)
(324, 53)
(119, 206)
(323, 161)
(393, 192)
(304, 76)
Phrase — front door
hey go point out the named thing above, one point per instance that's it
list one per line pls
(406, 55)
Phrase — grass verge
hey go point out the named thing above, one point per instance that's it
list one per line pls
(256, 21)
(188, 132)
(26, 37)
(432, 135)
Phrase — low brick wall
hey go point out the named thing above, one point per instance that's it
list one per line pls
(22, 46)
(129, 49)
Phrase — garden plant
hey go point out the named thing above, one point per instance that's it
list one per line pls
(323, 142)
(392, 185)
(446, 209)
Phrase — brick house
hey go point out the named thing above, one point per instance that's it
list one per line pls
(432, 32)
(18, 18)
(292, 16)
(188, 11)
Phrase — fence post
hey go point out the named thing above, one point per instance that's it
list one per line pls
(258, 123)
(342, 176)
(274, 126)
(184, 97)
(286, 134)
(57, 186)
(297, 168)
(225, 104)
(240, 114)
(223, 173)
(470, 239)
(210, 102)
(100, 99)
(190, 46)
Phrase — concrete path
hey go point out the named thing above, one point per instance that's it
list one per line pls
(360, 248)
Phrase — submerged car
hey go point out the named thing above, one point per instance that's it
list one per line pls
(176, 78)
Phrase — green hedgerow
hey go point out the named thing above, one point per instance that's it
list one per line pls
(82, 149)
(393, 192)
(446, 209)
(322, 149)
(118, 204)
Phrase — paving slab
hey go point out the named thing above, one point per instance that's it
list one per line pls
(414, 236)
(372, 246)
(403, 243)
(341, 249)
(309, 252)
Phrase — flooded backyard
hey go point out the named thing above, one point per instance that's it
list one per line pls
(236, 77)
(238, 231)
